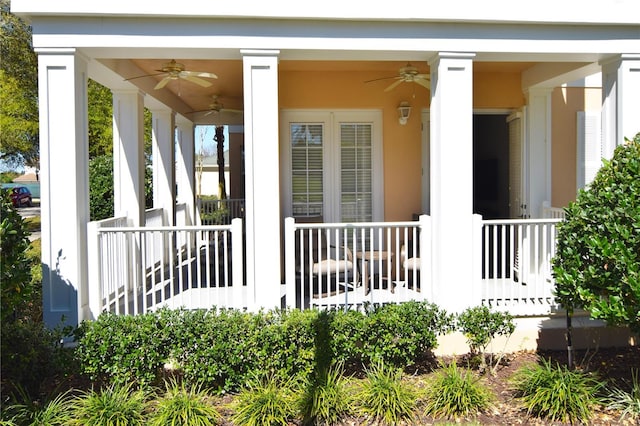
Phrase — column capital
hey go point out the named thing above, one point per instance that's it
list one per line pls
(183, 121)
(451, 55)
(616, 59)
(259, 52)
(162, 110)
(130, 91)
(530, 92)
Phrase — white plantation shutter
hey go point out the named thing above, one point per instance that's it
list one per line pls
(332, 164)
(516, 196)
(589, 147)
(307, 189)
(356, 173)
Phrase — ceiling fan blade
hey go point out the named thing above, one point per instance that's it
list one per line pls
(233, 111)
(144, 75)
(199, 81)
(163, 83)
(199, 74)
(423, 82)
(393, 85)
(382, 78)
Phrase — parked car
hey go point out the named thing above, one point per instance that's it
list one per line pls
(21, 196)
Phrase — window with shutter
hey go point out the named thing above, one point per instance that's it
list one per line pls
(589, 146)
(332, 165)
(517, 207)
(356, 204)
(307, 187)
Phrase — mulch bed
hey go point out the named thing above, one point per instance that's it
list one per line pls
(614, 365)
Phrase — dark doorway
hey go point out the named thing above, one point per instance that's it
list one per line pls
(491, 166)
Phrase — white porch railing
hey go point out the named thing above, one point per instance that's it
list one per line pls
(327, 265)
(218, 212)
(141, 269)
(349, 265)
(552, 212)
(516, 265)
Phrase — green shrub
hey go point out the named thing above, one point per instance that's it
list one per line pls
(125, 348)
(115, 405)
(101, 187)
(220, 348)
(348, 334)
(455, 392)
(597, 263)
(400, 334)
(626, 402)
(217, 348)
(15, 266)
(266, 400)
(385, 397)
(32, 308)
(37, 357)
(556, 393)
(181, 405)
(286, 342)
(396, 334)
(480, 326)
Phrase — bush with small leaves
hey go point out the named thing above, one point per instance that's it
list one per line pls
(15, 265)
(480, 326)
(126, 348)
(396, 334)
(597, 261)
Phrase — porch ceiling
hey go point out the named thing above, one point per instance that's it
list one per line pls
(229, 84)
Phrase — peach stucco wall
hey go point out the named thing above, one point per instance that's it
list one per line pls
(566, 102)
(401, 144)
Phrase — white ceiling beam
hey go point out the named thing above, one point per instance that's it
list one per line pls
(554, 74)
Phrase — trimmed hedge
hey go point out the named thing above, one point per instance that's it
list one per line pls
(220, 349)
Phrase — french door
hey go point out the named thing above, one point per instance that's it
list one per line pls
(332, 164)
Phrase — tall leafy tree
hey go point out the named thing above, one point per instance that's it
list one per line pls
(18, 91)
(100, 122)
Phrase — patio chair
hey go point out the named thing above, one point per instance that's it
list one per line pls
(322, 268)
(410, 260)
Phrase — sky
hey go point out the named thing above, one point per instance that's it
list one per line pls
(204, 136)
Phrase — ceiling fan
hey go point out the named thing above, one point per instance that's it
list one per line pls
(406, 74)
(173, 70)
(217, 107)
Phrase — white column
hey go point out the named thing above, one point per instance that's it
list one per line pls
(128, 156)
(64, 178)
(185, 164)
(537, 147)
(620, 101)
(163, 157)
(452, 179)
(262, 188)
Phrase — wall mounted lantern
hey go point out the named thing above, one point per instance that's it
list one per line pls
(404, 110)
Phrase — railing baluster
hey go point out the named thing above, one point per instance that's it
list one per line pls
(527, 246)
